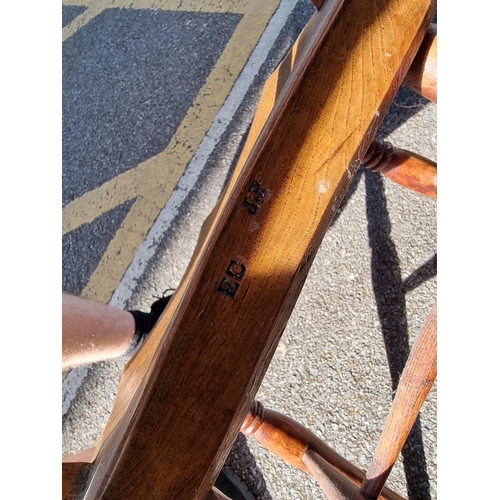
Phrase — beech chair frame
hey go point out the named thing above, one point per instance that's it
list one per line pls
(315, 125)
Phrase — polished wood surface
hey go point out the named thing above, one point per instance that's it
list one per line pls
(207, 355)
(82, 456)
(414, 386)
(422, 75)
(75, 471)
(137, 367)
(215, 494)
(413, 172)
(318, 3)
(74, 479)
(335, 485)
(408, 169)
(290, 440)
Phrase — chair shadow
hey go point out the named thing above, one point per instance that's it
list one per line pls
(406, 104)
(242, 462)
(390, 289)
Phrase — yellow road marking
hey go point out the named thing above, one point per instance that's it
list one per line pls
(222, 6)
(95, 7)
(152, 182)
(76, 3)
(214, 6)
(121, 250)
(93, 10)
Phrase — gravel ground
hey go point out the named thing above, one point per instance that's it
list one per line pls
(368, 294)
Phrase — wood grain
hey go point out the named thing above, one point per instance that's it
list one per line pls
(413, 171)
(74, 479)
(206, 364)
(414, 386)
(290, 440)
(335, 485)
(137, 367)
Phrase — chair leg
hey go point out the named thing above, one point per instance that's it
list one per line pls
(416, 382)
(291, 441)
(403, 167)
(295, 178)
(335, 485)
(422, 75)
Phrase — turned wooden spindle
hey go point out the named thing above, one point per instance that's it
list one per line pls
(414, 386)
(216, 494)
(290, 440)
(334, 484)
(403, 167)
(422, 75)
(378, 155)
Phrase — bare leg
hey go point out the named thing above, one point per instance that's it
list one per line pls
(93, 332)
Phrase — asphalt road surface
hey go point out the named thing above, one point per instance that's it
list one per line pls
(157, 100)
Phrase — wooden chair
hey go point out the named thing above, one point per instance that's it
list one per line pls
(203, 363)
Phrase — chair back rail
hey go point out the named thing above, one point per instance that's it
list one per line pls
(208, 354)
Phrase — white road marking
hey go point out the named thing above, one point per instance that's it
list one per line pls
(71, 384)
(195, 167)
(197, 164)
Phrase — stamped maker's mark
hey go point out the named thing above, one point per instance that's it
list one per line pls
(255, 197)
(235, 271)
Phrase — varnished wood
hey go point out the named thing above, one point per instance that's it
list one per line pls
(75, 471)
(335, 485)
(215, 494)
(290, 440)
(74, 479)
(137, 367)
(205, 361)
(318, 3)
(378, 155)
(415, 383)
(413, 171)
(422, 75)
(422, 69)
(403, 167)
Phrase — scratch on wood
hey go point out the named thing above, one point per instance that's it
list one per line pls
(332, 156)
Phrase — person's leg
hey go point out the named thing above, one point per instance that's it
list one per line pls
(92, 331)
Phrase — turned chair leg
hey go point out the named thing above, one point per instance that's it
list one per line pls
(414, 386)
(340, 479)
(291, 441)
(335, 485)
(294, 443)
(403, 167)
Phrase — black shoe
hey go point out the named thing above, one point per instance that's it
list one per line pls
(233, 486)
(144, 322)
